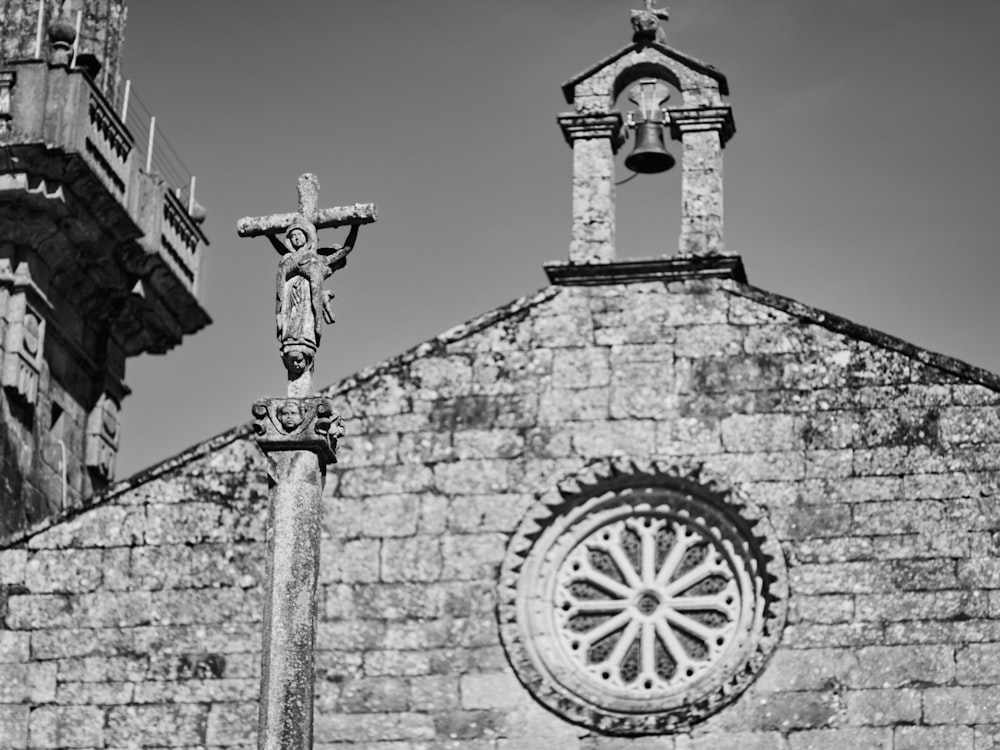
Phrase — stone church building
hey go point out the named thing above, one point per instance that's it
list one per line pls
(650, 506)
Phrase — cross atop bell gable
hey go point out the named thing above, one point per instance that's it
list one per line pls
(646, 23)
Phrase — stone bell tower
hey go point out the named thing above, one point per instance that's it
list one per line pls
(649, 73)
(100, 256)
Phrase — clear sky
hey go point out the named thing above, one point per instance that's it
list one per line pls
(862, 178)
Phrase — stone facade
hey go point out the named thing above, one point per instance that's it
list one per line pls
(136, 622)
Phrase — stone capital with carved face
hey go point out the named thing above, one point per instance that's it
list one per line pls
(288, 424)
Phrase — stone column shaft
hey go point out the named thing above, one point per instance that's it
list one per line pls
(299, 437)
(703, 133)
(593, 202)
(595, 139)
(701, 195)
(293, 541)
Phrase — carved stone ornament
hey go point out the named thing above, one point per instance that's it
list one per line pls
(288, 424)
(102, 437)
(646, 23)
(640, 601)
(301, 303)
(7, 80)
(24, 335)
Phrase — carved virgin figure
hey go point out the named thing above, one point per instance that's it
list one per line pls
(300, 298)
(301, 303)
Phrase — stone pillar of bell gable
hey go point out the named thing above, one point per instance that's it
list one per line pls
(704, 133)
(595, 139)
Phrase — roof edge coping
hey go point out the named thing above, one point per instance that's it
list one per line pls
(245, 430)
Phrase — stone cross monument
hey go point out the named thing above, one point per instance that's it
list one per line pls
(299, 435)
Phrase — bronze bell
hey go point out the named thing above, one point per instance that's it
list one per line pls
(650, 155)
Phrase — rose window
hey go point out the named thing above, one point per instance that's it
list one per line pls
(647, 603)
(640, 603)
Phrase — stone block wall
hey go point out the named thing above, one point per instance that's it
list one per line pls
(136, 623)
(31, 457)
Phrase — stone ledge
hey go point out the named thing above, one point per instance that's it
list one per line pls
(609, 125)
(690, 120)
(677, 268)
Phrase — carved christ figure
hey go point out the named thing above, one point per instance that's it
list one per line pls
(300, 299)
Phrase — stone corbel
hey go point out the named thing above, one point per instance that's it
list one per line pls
(609, 126)
(703, 119)
(298, 424)
(24, 337)
(103, 425)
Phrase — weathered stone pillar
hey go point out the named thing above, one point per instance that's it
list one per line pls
(595, 139)
(296, 476)
(703, 133)
(299, 435)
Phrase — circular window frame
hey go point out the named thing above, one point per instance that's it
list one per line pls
(609, 495)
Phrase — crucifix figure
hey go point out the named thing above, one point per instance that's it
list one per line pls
(299, 435)
(646, 23)
(301, 303)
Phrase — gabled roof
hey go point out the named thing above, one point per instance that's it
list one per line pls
(950, 365)
(684, 59)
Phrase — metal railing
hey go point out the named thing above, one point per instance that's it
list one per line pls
(154, 148)
(157, 152)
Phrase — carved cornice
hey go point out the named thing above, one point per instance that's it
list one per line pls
(130, 224)
(683, 120)
(676, 268)
(298, 424)
(609, 125)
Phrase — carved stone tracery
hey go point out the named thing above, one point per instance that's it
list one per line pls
(640, 602)
(647, 603)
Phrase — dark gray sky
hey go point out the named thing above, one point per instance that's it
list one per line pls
(862, 177)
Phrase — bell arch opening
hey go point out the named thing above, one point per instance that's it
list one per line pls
(648, 202)
(633, 73)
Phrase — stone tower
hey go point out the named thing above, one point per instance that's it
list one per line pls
(99, 256)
